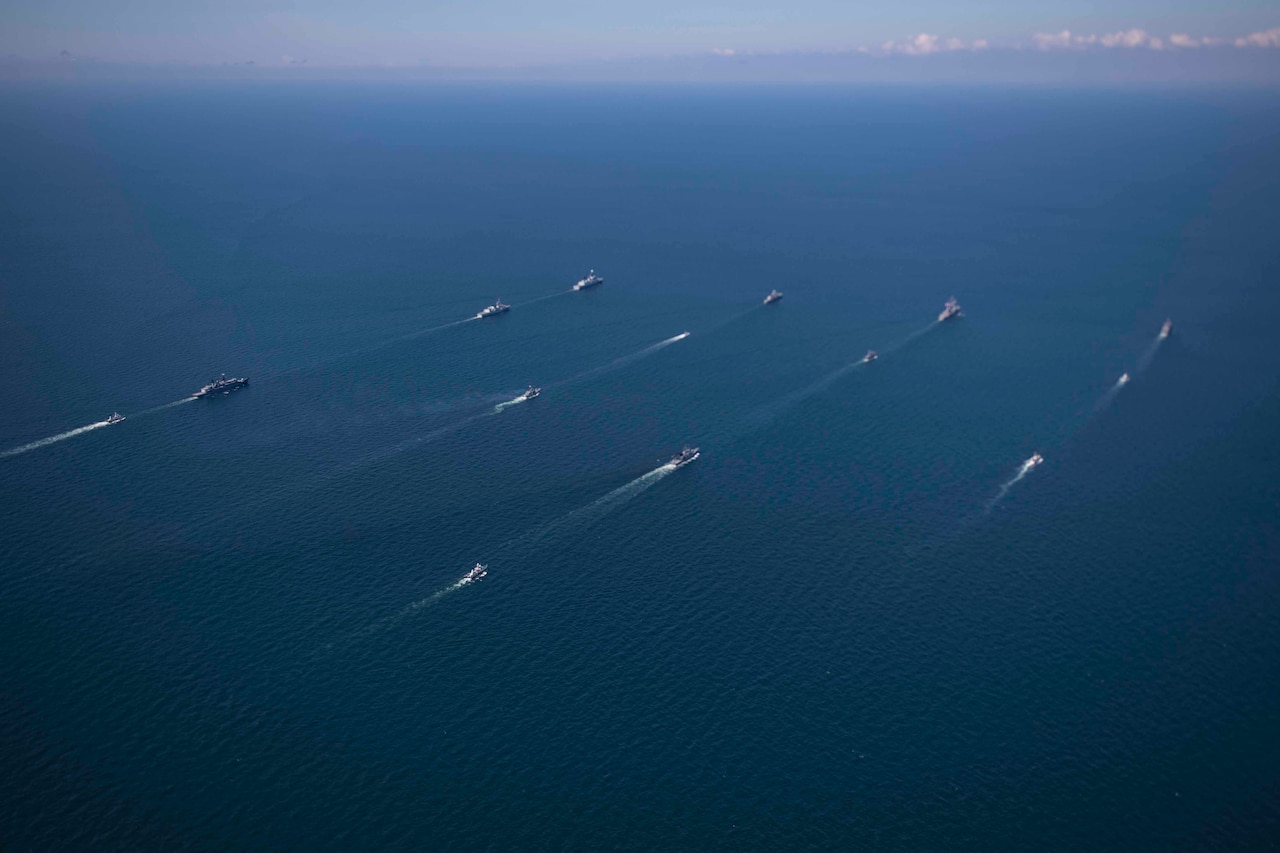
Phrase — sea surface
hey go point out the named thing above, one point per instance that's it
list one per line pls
(857, 621)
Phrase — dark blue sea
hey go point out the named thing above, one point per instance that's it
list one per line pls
(860, 620)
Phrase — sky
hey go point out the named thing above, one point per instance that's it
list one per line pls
(655, 38)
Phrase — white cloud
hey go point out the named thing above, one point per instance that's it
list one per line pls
(1130, 38)
(723, 51)
(926, 43)
(1133, 39)
(1048, 41)
(1125, 39)
(1266, 38)
(921, 44)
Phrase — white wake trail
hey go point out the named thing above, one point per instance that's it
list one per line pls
(1024, 469)
(63, 436)
(543, 298)
(502, 407)
(623, 361)
(1110, 393)
(583, 515)
(509, 403)
(768, 412)
(1144, 361)
(600, 506)
(53, 439)
(155, 409)
(415, 606)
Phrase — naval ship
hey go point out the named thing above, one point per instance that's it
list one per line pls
(871, 355)
(590, 281)
(115, 418)
(684, 457)
(498, 307)
(530, 394)
(774, 296)
(475, 574)
(222, 386)
(951, 309)
(1166, 328)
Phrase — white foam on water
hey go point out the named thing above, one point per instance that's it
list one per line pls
(509, 403)
(623, 361)
(63, 436)
(1144, 361)
(1024, 469)
(768, 412)
(620, 495)
(155, 409)
(53, 439)
(501, 407)
(543, 298)
(583, 515)
(1110, 393)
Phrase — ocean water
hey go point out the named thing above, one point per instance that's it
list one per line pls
(850, 624)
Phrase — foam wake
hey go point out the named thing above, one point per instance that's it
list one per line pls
(155, 409)
(63, 436)
(1023, 470)
(498, 409)
(413, 607)
(603, 505)
(1110, 393)
(770, 411)
(623, 361)
(53, 439)
(574, 518)
(501, 407)
(1148, 355)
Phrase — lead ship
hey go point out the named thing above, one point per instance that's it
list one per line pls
(498, 307)
(1035, 460)
(590, 281)
(1166, 328)
(684, 457)
(530, 394)
(774, 296)
(222, 386)
(115, 418)
(871, 355)
(475, 574)
(951, 309)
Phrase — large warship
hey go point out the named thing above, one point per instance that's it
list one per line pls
(684, 457)
(774, 296)
(222, 386)
(498, 307)
(590, 281)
